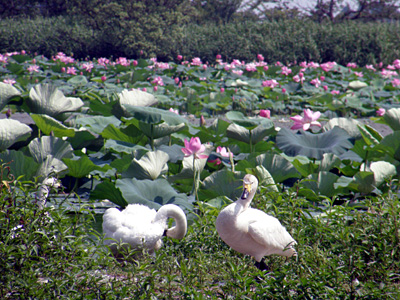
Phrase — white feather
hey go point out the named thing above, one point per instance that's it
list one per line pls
(142, 227)
(251, 231)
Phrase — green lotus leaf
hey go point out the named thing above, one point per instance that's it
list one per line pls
(265, 178)
(97, 124)
(7, 92)
(12, 131)
(159, 130)
(107, 190)
(149, 166)
(240, 119)
(253, 136)
(222, 183)
(382, 171)
(152, 115)
(329, 161)
(392, 118)
(278, 166)
(136, 97)
(322, 183)
(334, 141)
(40, 148)
(129, 134)
(153, 193)
(390, 144)
(357, 85)
(20, 164)
(81, 166)
(51, 166)
(49, 100)
(48, 124)
(350, 125)
(124, 147)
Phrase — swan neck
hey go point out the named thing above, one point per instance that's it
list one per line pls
(175, 212)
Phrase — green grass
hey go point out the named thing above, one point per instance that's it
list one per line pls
(60, 256)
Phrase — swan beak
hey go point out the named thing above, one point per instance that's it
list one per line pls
(246, 191)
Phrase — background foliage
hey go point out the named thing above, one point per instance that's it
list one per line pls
(164, 29)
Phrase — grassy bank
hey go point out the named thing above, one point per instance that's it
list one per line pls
(345, 253)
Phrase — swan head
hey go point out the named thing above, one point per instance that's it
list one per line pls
(250, 184)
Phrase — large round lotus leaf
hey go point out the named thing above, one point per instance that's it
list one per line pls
(97, 124)
(255, 135)
(47, 99)
(350, 125)
(7, 91)
(334, 141)
(392, 118)
(154, 115)
(154, 194)
(136, 98)
(357, 84)
(12, 131)
(20, 164)
(149, 166)
(223, 183)
(160, 130)
(278, 166)
(240, 119)
(42, 147)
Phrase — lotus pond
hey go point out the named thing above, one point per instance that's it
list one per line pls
(186, 132)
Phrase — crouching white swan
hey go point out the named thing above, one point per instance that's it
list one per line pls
(251, 231)
(142, 227)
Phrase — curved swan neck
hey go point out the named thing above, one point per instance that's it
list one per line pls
(176, 213)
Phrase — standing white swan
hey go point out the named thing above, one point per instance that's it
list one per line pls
(142, 227)
(251, 231)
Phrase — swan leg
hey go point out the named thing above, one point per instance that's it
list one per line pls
(261, 265)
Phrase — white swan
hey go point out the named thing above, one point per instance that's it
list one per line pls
(251, 231)
(142, 227)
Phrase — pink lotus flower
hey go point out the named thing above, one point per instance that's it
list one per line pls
(71, 70)
(251, 67)
(395, 82)
(286, 71)
(33, 68)
(260, 57)
(179, 57)
(327, 66)
(334, 92)
(315, 82)
(370, 67)
(196, 61)
(222, 90)
(265, 113)
(270, 83)
(310, 119)
(87, 66)
(380, 112)
(103, 78)
(351, 65)
(9, 81)
(194, 147)
(224, 152)
(158, 81)
(174, 111)
(218, 56)
(359, 74)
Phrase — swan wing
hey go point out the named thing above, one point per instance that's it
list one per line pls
(269, 232)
